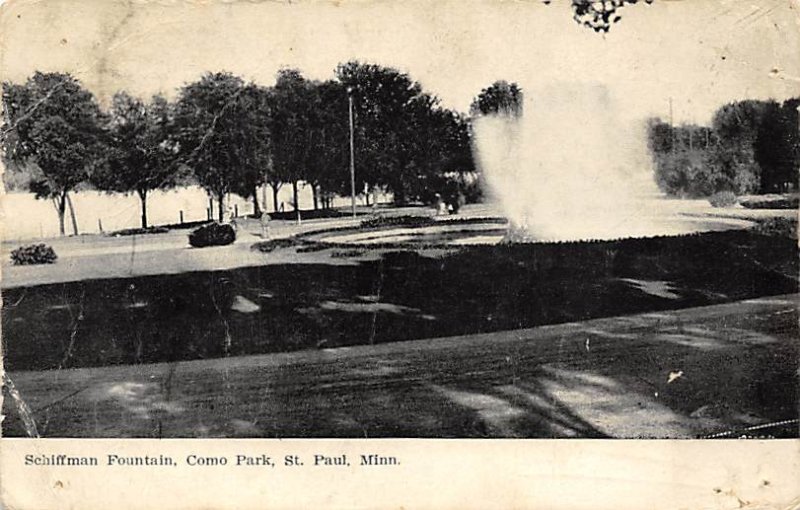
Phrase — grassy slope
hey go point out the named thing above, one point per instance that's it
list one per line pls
(606, 377)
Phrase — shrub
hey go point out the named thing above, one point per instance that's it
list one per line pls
(213, 234)
(723, 199)
(33, 254)
(777, 227)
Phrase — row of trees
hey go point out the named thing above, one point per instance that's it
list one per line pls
(231, 137)
(751, 147)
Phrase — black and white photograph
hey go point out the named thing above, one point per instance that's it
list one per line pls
(450, 220)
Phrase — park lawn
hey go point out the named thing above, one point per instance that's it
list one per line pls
(395, 296)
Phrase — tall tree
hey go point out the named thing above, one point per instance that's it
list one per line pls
(253, 108)
(777, 146)
(499, 98)
(327, 170)
(292, 126)
(733, 159)
(405, 141)
(454, 158)
(435, 147)
(752, 146)
(683, 161)
(51, 121)
(382, 99)
(659, 136)
(211, 133)
(143, 148)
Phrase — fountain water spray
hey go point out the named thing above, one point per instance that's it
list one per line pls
(569, 168)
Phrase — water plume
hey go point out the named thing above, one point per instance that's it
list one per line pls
(568, 168)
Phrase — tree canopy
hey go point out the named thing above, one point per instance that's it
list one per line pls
(230, 136)
(52, 122)
(211, 133)
(142, 148)
(404, 139)
(254, 109)
(751, 147)
(500, 98)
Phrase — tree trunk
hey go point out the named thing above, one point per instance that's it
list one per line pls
(264, 197)
(143, 198)
(314, 194)
(296, 201)
(256, 208)
(72, 215)
(275, 196)
(61, 209)
(220, 201)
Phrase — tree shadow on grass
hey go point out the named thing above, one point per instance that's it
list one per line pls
(589, 383)
(521, 410)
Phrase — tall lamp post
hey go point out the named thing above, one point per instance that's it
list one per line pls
(352, 154)
(794, 184)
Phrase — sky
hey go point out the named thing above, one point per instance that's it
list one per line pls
(699, 53)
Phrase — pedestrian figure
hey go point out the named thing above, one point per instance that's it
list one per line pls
(441, 207)
(230, 218)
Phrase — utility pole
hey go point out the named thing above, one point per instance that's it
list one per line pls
(794, 184)
(352, 154)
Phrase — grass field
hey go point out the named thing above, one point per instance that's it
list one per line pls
(399, 295)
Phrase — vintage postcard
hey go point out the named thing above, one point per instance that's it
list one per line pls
(400, 254)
